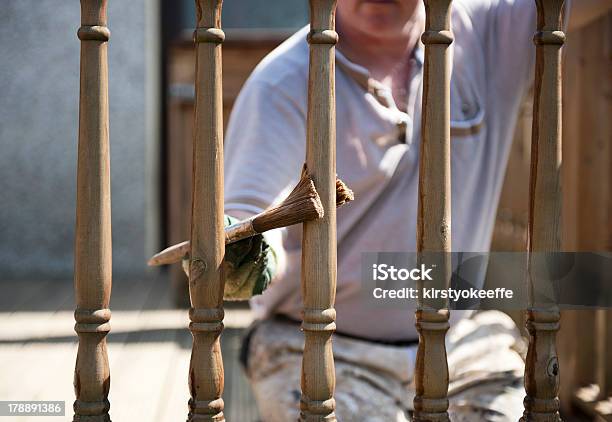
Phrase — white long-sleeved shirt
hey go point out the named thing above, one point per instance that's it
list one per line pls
(378, 152)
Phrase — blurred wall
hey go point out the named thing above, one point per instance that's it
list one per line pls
(39, 88)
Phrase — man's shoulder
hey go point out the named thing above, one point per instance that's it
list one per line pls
(286, 66)
(474, 7)
(471, 13)
(480, 11)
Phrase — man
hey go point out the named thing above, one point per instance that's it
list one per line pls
(378, 90)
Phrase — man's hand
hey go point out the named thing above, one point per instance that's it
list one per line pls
(249, 266)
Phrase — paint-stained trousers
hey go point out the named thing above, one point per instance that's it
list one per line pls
(375, 382)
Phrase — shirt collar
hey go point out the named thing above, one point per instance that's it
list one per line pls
(362, 76)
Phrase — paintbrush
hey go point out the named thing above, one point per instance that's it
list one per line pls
(302, 204)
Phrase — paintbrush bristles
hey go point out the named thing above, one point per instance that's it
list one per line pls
(343, 193)
(302, 204)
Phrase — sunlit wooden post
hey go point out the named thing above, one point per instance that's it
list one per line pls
(434, 213)
(319, 241)
(542, 367)
(207, 235)
(93, 249)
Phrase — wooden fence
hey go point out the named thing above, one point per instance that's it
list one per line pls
(93, 245)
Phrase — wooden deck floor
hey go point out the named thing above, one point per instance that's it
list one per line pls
(149, 349)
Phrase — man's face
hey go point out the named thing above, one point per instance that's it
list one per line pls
(386, 17)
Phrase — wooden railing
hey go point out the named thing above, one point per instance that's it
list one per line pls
(93, 247)
(434, 212)
(319, 239)
(207, 235)
(544, 232)
(433, 229)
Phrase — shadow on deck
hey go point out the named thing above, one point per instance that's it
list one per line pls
(149, 349)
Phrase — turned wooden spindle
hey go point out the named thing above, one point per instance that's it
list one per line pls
(206, 280)
(542, 366)
(434, 213)
(319, 240)
(92, 252)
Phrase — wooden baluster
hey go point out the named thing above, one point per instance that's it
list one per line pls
(319, 240)
(93, 249)
(542, 367)
(206, 280)
(434, 213)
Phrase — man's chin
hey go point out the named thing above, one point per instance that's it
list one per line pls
(380, 2)
(375, 8)
(384, 26)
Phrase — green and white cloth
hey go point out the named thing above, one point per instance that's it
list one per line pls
(249, 266)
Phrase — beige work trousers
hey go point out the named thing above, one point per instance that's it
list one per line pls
(375, 382)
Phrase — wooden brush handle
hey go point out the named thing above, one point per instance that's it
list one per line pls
(235, 232)
(175, 253)
(171, 254)
(240, 230)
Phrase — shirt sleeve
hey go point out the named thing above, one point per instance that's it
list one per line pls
(264, 146)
